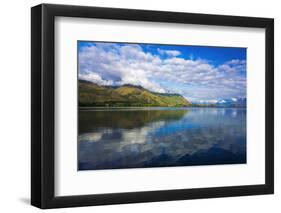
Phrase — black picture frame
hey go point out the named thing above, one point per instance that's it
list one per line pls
(43, 102)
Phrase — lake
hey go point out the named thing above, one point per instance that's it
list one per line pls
(115, 138)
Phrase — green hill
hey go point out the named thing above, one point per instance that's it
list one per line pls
(93, 95)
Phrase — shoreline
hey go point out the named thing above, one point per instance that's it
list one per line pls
(158, 107)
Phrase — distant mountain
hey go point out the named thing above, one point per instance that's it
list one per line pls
(232, 102)
(229, 102)
(94, 95)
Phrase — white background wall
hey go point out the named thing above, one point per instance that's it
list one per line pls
(15, 105)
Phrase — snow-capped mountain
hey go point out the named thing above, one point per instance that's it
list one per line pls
(229, 102)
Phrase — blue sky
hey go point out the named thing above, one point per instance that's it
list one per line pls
(199, 73)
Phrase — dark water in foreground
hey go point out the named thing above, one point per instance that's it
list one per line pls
(157, 137)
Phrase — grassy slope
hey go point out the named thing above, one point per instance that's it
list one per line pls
(91, 94)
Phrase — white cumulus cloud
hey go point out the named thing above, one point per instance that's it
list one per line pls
(171, 53)
(114, 64)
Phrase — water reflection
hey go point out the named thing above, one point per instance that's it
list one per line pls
(137, 138)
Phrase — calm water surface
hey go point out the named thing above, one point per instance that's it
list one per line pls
(157, 137)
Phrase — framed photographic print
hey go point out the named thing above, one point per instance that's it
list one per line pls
(139, 106)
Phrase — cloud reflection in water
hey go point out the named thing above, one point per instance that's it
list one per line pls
(111, 139)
